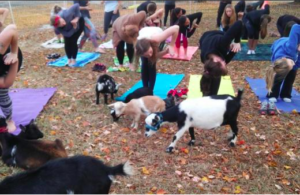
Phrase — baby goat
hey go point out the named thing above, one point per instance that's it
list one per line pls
(106, 85)
(205, 113)
(75, 175)
(28, 154)
(137, 107)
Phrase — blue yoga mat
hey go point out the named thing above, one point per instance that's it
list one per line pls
(164, 82)
(263, 53)
(82, 59)
(259, 88)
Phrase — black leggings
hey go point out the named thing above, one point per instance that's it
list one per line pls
(168, 8)
(222, 6)
(109, 17)
(253, 33)
(148, 73)
(286, 90)
(129, 51)
(213, 83)
(71, 46)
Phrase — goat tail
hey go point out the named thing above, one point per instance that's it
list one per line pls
(239, 95)
(122, 169)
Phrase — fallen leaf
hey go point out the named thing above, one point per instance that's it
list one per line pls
(228, 179)
(278, 187)
(285, 182)
(25, 83)
(52, 132)
(145, 171)
(237, 190)
(184, 150)
(178, 173)
(205, 180)
(241, 142)
(153, 189)
(179, 186)
(105, 150)
(85, 153)
(277, 152)
(246, 176)
(272, 164)
(125, 129)
(163, 130)
(287, 167)
(161, 191)
(196, 179)
(182, 161)
(71, 144)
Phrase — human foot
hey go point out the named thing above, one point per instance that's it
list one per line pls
(11, 127)
(100, 50)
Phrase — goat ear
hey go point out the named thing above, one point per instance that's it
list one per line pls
(22, 128)
(111, 105)
(31, 122)
(100, 86)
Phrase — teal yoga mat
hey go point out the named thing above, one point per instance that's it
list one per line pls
(82, 59)
(164, 82)
(263, 53)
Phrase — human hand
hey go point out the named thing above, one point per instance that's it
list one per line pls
(115, 11)
(74, 24)
(10, 58)
(235, 47)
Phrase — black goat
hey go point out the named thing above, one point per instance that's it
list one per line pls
(106, 85)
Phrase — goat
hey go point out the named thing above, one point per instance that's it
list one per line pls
(138, 93)
(29, 131)
(28, 154)
(78, 174)
(205, 113)
(137, 107)
(106, 85)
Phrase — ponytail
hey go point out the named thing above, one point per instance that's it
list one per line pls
(270, 75)
(265, 20)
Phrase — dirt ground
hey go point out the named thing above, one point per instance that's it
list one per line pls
(266, 161)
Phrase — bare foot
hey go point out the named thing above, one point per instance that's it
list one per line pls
(11, 127)
(100, 50)
(10, 58)
(171, 50)
(131, 67)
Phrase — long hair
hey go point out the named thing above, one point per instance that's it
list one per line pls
(280, 68)
(174, 14)
(287, 28)
(143, 46)
(264, 21)
(181, 21)
(56, 9)
(212, 70)
(228, 21)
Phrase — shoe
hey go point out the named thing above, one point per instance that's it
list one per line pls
(264, 108)
(99, 67)
(274, 100)
(253, 52)
(53, 56)
(249, 52)
(287, 100)
(271, 108)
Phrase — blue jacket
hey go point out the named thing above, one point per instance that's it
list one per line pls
(288, 47)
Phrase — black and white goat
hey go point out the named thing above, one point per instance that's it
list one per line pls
(106, 85)
(74, 175)
(205, 113)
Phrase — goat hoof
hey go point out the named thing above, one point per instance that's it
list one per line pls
(191, 143)
(169, 149)
(231, 144)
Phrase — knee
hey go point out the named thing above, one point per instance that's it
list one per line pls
(12, 27)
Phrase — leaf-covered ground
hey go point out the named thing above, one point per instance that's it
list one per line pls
(265, 161)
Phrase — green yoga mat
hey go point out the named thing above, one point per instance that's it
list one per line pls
(194, 86)
(263, 53)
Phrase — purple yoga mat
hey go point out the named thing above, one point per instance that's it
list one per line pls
(28, 103)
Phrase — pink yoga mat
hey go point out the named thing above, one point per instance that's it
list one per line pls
(28, 103)
(190, 53)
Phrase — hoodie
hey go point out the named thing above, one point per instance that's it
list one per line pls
(288, 47)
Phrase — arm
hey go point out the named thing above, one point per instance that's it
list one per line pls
(171, 31)
(233, 33)
(75, 9)
(117, 7)
(162, 53)
(4, 12)
(157, 15)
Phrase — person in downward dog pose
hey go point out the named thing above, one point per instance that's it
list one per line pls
(126, 30)
(147, 47)
(285, 62)
(217, 50)
(70, 24)
(285, 20)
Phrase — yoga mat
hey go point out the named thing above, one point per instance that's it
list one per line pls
(53, 43)
(258, 86)
(82, 59)
(194, 86)
(27, 104)
(263, 53)
(190, 53)
(119, 69)
(164, 83)
(133, 6)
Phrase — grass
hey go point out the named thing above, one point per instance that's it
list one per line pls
(210, 167)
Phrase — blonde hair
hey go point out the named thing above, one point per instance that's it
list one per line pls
(265, 20)
(226, 21)
(281, 68)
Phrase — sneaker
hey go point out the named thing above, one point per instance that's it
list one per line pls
(249, 52)
(274, 100)
(287, 100)
(264, 108)
(272, 108)
(253, 52)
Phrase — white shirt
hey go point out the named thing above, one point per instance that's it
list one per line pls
(110, 6)
(148, 32)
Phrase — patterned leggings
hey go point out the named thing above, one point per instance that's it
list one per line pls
(5, 103)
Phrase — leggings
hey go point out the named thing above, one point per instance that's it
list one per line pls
(71, 47)
(280, 29)
(287, 86)
(184, 41)
(148, 73)
(129, 51)
(253, 33)
(109, 18)
(89, 32)
(214, 84)
(168, 8)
